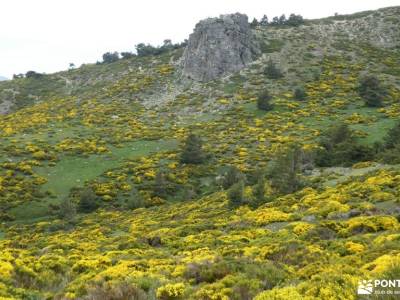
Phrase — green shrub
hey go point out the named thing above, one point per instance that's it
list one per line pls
(207, 271)
(135, 200)
(391, 155)
(67, 209)
(115, 291)
(271, 46)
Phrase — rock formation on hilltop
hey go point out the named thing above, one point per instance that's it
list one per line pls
(219, 46)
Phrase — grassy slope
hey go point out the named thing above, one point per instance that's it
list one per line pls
(98, 133)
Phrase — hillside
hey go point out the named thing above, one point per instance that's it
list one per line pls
(155, 227)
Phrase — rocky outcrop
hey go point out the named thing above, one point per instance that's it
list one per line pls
(219, 46)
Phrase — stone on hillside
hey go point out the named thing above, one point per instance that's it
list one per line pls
(219, 46)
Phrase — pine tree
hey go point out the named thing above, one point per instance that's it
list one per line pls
(272, 71)
(193, 150)
(110, 57)
(282, 20)
(300, 94)
(264, 101)
(371, 90)
(160, 185)
(284, 170)
(232, 176)
(264, 21)
(392, 139)
(87, 201)
(259, 190)
(295, 20)
(236, 194)
(254, 23)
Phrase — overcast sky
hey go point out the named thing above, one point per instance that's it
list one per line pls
(46, 35)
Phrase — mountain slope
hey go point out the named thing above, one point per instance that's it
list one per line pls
(117, 129)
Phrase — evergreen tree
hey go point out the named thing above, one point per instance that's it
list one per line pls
(110, 57)
(272, 71)
(389, 150)
(282, 20)
(160, 185)
(236, 194)
(340, 148)
(264, 21)
(284, 170)
(232, 176)
(87, 201)
(259, 190)
(392, 138)
(371, 90)
(295, 20)
(264, 101)
(33, 74)
(127, 55)
(300, 94)
(275, 21)
(254, 23)
(193, 150)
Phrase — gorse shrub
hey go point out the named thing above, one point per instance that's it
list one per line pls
(135, 200)
(114, 291)
(67, 209)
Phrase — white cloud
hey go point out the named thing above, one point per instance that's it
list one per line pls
(46, 35)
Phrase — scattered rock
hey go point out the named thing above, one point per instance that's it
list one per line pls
(154, 241)
(310, 218)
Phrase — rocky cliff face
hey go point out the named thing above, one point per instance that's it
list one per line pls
(219, 46)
